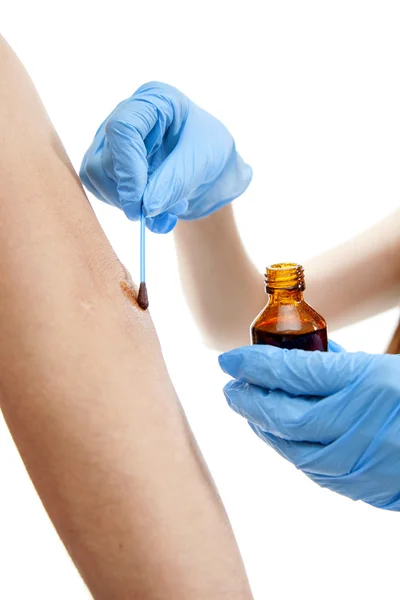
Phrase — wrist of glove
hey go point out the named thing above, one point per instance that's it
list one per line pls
(334, 415)
(160, 152)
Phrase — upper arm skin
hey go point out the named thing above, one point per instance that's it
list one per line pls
(84, 388)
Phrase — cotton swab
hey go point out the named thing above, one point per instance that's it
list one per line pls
(143, 299)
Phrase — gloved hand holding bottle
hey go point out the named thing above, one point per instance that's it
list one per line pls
(334, 415)
(160, 149)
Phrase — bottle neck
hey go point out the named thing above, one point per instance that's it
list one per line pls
(285, 296)
(284, 283)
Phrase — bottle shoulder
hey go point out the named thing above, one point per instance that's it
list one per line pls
(296, 317)
(314, 315)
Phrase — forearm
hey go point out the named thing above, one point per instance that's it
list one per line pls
(222, 286)
(84, 388)
(351, 282)
(359, 278)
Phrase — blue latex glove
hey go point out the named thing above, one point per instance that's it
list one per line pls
(160, 148)
(334, 415)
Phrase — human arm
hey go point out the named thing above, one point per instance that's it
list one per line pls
(84, 388)
(334, 415)
(225, 291)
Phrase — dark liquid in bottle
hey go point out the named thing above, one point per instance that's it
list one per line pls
(315, 340)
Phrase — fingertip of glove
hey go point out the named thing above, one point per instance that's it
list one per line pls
(87, 182)
(334, 347)
(82, 171)
(163, 223)
(222, 360)
(83, 176)
(232, 361)
(226, 394)
(231, 390)
(154, 86)
(132, 211)
(247, 173)
(245, 170)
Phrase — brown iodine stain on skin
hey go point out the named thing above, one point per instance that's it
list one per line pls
(129, 290)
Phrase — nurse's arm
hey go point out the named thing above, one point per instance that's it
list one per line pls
(225, 291)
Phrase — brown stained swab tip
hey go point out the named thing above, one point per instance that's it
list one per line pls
(143, 299)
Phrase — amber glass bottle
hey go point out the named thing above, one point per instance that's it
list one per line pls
(287, 320)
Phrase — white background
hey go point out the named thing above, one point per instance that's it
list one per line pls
(310, 91)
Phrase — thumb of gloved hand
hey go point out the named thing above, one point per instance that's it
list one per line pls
(294, 371)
